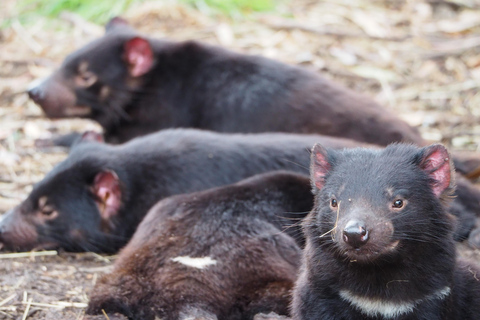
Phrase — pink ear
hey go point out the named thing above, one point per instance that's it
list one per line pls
(139, 56)
(319, 166)
(92, 136)
(106, 187)
(436, 163)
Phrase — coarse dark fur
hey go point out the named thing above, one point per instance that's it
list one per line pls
(242, 232)
(379, 239)
(94, 200)
(196, 85)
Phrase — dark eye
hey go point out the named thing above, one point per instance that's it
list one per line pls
(398, 203)
(333, 203)
(48, 211)
(86, 79)
(86, 76)
(45, 209)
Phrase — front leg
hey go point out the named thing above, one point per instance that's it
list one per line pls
(308, 304)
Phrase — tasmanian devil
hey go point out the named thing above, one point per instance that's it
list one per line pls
(379, 241)
(95, 199)
(223, 253)
(133, 85)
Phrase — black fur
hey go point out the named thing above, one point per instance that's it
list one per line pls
(242, 227)
(151, 168)
(365, 185)
(191, 84)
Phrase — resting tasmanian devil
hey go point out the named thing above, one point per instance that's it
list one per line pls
(223, 253)
(133, 85)
(95, 199)
(379, 241)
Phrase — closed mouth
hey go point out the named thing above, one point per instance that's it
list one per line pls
(361, 254)
(369, 253)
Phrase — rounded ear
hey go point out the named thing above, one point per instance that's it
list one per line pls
(319, 166)
(116, 22)
(436, 162)
(106, 187)
(138, 55)
(90, 135)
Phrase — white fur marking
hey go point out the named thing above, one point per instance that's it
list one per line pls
(199, 263)
(378, 307)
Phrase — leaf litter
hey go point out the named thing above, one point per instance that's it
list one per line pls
(420, 59)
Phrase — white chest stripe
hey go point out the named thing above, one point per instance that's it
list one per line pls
(199, 263)
(387, 309)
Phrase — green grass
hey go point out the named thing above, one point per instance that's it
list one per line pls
(98, 11)
(234, 7)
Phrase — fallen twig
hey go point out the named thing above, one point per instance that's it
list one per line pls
(28, 254)
(58, 304)
(105, 314)
(7, 314)
(67, 304)
(44, 305)
(25, 314)
(5, 301)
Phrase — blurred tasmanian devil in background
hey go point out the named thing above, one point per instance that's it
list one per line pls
(133, 85)
(95, 199)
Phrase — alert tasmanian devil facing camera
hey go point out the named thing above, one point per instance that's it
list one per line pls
(133, 85)
(223, 253)
(379, 241)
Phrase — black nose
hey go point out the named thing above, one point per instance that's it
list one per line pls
(355, 233)
(36, 94)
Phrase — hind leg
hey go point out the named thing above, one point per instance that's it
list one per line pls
(122, 294)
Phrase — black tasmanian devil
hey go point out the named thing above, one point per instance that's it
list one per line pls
(224, 253)
(379, 241)
(133, 85)
(95, 199)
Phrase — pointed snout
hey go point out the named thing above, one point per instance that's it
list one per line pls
(355, 233)
(3, 221)
(36, 92)
(16, 232)
(55, 95)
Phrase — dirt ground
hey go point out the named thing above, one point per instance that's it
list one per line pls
(419, 58)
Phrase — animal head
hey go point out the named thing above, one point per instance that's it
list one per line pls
(97, 80)
(75, 207)
(374, 203)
